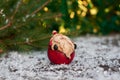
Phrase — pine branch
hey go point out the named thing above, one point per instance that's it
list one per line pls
(29, 42)
(41, 7)
(12, 17)
(35, 11)
(16, 9)
(6, 26)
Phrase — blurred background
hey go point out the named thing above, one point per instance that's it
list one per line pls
(27, 24)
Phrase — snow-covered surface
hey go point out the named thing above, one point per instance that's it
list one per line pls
(97, 58)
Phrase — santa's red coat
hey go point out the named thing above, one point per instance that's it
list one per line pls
(58, 57)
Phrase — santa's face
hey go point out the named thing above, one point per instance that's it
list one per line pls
(61, 48)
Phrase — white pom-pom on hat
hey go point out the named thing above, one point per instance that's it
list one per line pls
(54, 32)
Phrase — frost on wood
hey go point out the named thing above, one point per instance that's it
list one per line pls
(97, 58)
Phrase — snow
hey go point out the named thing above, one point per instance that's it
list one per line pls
(97, 58)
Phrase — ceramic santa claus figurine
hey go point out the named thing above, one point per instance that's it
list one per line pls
(61, 50)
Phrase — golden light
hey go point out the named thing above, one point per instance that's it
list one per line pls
(44, 24)
(56, 18)
(25, 1)
(85, 3)
(62, 29)
(79, 2)
(78, 27)
(82, 2)
(107, 10)
(89, 0)
(118, 13)
(95, 30)
(93, 11)
(83, 14)
(78, 12)
(39, 14)
(45, 9)
(82, 5)
(69, 2)
(72, 14)
(83, 8)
